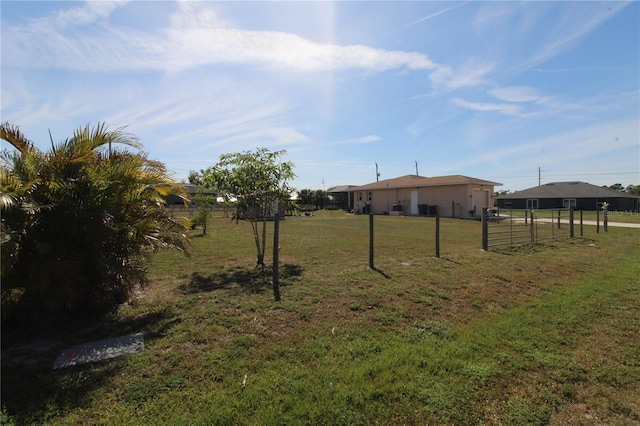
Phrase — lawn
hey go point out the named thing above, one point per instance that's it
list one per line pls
(613, 216)
(543, 334)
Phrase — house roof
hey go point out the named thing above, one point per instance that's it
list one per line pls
(415, 181)
(341, 188)
(567, 190)
(192, 189)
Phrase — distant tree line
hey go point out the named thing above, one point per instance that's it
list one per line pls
(315, 199)
(631, 189)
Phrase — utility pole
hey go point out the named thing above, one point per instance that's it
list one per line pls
(417, 168)
(539, 176)
(377, 174)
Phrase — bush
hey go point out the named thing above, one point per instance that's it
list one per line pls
(79, 220)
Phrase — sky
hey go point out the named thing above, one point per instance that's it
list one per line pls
(519, 93)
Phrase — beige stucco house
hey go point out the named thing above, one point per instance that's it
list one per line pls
(450, 196)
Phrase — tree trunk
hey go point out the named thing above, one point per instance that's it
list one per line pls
(256, 238)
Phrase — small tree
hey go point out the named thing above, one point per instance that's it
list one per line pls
(305, 197)
(194, 177)
(204, 204)
(257, 183)
(320, 198)
(617, 187)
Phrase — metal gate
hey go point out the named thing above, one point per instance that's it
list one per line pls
(510, 227)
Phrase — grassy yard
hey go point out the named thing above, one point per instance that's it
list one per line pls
(544, 334)
(613, 216)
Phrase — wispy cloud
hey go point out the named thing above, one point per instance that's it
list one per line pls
(471, 73)
(282, 51)
(507, 109)
(268, 136)
(568, 27)
(363, 140)
(197, 36)
(561, 149)
(89, 13)
(356, 141)
(517, 94)
(438, 13)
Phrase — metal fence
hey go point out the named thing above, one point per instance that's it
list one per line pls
(502, 227)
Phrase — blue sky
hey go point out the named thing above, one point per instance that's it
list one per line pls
(493, 90)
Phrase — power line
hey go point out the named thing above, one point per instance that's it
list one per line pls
(571, 174)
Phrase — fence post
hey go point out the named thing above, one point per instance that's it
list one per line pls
(558, 218)
(485, 230)
(533, 235)
(597, 220)
(581, 225)
(437, 234)
(571, 222)
(511, 227)
(605, 220)
(276, 247)
(371, 240)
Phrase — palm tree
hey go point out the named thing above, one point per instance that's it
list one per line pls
(79, 221)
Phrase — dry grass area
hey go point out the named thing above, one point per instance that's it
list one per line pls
(542, 334)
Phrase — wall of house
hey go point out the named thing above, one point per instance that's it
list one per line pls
(450, 200)
(615, 203)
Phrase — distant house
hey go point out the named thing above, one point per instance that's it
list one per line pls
(338, 197)
(450, 196)
(580, 195)
(191, 191)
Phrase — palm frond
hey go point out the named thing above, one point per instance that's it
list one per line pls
(12, 134)
(100, 135)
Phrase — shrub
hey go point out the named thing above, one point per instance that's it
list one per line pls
(79, 220)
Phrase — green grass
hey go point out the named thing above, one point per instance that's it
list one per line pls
(613, 216)
(543, 334)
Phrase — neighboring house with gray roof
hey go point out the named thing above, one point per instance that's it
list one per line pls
(581, 195)
(450, 196)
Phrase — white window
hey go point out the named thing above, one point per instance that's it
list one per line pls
(532, 204)
(568, 203)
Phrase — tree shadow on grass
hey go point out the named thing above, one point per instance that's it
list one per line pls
(30, 394)
(32, 390)
(381, 272)
(256, 280)
(64, 328)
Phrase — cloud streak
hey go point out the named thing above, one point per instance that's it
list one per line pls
(517, 94)
(438, 13)
(561, 149)
(507, 109)
(197, 36)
